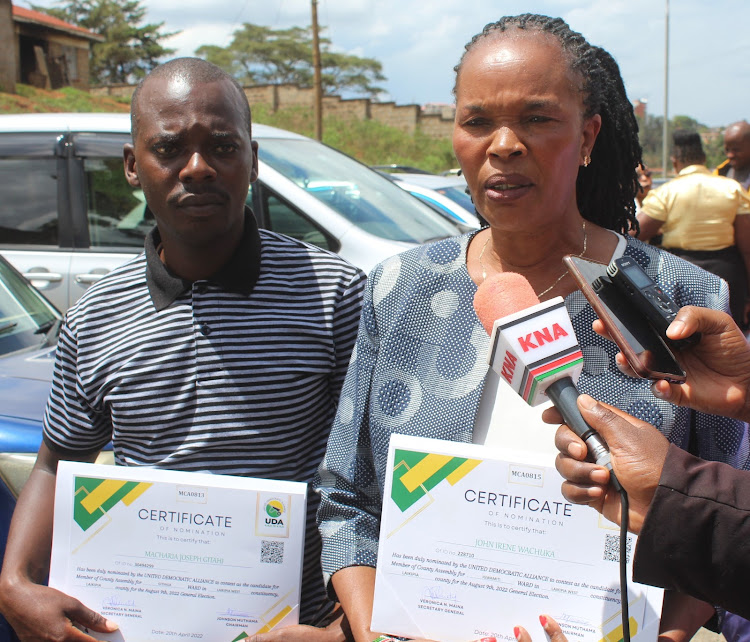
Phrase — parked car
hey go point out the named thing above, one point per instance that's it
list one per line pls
(29, 326)
(445, 194)
(68, 216)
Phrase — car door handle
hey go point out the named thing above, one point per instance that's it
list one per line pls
(88, 279)
(51, 277)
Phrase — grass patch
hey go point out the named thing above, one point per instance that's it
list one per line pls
(28, 99)
(369, 141)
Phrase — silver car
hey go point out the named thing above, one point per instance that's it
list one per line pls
(68, 216)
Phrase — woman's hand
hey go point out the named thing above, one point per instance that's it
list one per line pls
(551, 628)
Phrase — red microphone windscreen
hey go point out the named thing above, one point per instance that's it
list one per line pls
(500, 295)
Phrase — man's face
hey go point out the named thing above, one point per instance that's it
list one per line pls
(737, 147)
(193, 158)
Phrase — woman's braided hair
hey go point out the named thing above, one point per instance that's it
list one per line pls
(606, 189)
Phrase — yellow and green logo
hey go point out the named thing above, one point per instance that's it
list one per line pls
(274, 508)
(415, 474)
(94, 497)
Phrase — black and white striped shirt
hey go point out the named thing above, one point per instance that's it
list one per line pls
(237, 375)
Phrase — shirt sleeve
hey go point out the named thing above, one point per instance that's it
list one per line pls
(655, 206)
(350, 499)
(696, 536)
(71, 424)
(744, 201)
(345, 323)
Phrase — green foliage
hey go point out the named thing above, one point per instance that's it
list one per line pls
(368, 141)
(130, 49)
(650, 135)
(262, 55)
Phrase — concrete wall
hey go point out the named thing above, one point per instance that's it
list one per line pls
(8, 48)
(408, 118)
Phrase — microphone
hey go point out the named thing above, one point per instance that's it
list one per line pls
(533, 347)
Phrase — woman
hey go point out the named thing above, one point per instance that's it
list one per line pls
(547, 141)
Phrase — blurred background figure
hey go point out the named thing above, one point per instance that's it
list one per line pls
(702, 218)
(645, 183)
(737, 149)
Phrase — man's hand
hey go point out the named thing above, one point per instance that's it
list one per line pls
(46, 614)
(638, 451)
(718, 367)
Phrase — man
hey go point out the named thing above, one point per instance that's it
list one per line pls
(703, 218)
(737, 149)
(691, 515)
(221, 348)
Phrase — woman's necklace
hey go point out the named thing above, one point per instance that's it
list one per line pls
(559, 278)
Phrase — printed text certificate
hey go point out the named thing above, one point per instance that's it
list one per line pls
(473, 543)
(179, 556)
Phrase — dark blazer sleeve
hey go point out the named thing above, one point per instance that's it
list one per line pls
(696, 536)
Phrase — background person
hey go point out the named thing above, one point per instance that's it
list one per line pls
(737, 149)
(222, 348)
(547, 140)
(645, 183)
(703, 219)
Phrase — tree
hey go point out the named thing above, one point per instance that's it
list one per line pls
(130, 50)
(259, 55)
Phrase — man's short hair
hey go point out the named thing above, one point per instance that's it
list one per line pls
(196, 70)
(687, 147)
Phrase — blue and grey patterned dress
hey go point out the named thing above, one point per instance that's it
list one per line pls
(419, 368)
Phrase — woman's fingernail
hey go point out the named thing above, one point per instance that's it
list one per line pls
(543, 621)
(587, 402)
(517, 632)
(488, 640)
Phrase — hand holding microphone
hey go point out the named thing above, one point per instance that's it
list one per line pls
(535, 350)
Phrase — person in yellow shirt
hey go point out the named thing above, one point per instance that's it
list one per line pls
(703, 218)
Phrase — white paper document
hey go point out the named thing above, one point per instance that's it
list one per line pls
(475, 541)
(172, 556)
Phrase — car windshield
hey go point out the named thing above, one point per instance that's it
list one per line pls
(25, 317)
(361, 195)
(458, 195)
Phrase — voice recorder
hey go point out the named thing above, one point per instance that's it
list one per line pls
(644, 348)
(647, 297)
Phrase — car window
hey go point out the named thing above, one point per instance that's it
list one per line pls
(116, 212)
(457, 195)
(28, 207)
(361, 195)
(24, 316)
(282, 217)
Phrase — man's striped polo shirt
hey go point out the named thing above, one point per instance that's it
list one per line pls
(239, 374)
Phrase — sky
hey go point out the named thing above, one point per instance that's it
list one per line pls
(419, 42)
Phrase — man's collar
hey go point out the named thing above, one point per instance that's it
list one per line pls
(239, 274)
(693, 169)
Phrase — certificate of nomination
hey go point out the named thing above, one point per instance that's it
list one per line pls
(475, 540)
(172, 555)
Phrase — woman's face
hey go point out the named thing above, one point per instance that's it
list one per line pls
(520, 135)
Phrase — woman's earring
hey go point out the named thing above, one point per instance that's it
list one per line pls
(586, 160)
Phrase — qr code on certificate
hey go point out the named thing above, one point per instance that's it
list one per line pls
(271, 552)
(612, 548)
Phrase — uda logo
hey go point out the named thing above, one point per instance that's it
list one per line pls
(274, 510)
